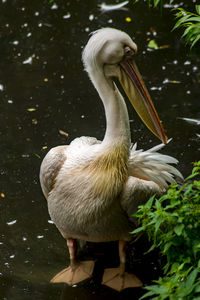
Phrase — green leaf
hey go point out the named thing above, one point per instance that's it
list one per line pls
(197, 7)
(150, 202)
(180, 21)
(179, 228)
(139, 229)
(194, 42)
(191, 278)
(158, 223)
(152, 44)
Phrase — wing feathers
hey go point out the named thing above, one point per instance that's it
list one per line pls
(151, 165)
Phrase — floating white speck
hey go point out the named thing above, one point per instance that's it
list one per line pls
(62, 76)
(67, 16)
(50, 222)
(91, 17)
(11, 223)
(166, 80)
(29, 34)
(1, 87)
(40, 25)
(10, 101)
(87, 29)
(153, 88)
(37, 13)
(1, 243)
(40, 236)
(82, 116)
(54, 6)
(187, 62)
(15, 42)
(29, 60)
(12, 256)
(171, 5)
(108, 7)
(110, 21)
(24, 238)
(25, 25)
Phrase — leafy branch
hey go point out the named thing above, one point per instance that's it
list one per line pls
(191, 22)
(173, 224)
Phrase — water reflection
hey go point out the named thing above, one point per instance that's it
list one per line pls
(43, 89)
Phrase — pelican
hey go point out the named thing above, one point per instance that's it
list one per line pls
(93, 187)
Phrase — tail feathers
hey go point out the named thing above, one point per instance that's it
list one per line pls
(151, 165)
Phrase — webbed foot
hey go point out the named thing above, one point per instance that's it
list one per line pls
(75, 274)
(117, 281)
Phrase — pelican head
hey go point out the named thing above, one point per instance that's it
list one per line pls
(112, 52)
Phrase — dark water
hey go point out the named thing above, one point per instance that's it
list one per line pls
(43, 89)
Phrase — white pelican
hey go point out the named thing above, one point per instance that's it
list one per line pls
(93, 187)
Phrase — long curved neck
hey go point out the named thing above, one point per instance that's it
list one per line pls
(117, 120)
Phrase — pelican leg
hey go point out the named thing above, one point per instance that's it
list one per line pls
(117, 278)
(77, 270)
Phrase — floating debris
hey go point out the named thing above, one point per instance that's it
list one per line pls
(64, 133)
(31, 109)
(152, 45)
(34, 121)
(91, 17)
(166, 80)
(109, 7)
(67, 16)
(29, 60)
(50, 222)
(11, 223)
(191, 121)
(54, 6)
(1, 87)
(40, 236)
(2, 195)
(128, 19)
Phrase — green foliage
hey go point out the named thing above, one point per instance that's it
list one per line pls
(191, 22)
(173, 224)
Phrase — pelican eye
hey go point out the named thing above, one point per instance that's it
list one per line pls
(128, 52)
